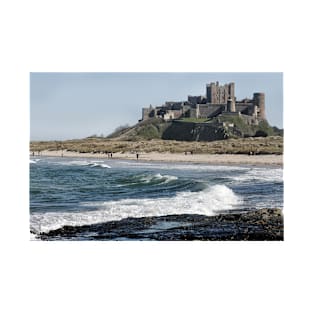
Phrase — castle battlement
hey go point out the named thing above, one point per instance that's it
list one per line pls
(219, 99)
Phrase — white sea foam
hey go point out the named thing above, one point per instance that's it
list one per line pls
(158, 178)
(182, 166)
(33, 237)
(34, 161)
(207, 202)
(100, 165)
(85, 163)
(79, 163)
(261, 174)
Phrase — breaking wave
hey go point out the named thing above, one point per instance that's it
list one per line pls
(100, 165)
(147, 180)
(209, 201)
(154, 179)
(33, 161)
(260, 174)
(86, 163)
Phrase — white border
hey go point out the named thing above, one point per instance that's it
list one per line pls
(154, 36)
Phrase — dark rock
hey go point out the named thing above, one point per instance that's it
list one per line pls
(264, 224)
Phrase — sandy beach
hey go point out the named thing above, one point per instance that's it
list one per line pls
(267, 159)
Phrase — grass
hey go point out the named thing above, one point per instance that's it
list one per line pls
(260, 145)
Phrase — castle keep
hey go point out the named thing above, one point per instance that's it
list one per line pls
(219, 99)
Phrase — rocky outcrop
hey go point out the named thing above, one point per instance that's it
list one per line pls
(264, 224)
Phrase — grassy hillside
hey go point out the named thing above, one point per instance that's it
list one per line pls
(146, 130)
(191, 129)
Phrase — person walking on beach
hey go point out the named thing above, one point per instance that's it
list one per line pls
(137, 156)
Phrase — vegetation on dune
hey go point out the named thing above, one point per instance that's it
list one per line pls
(255, 145)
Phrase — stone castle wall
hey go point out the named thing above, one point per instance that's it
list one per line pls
(218, 99)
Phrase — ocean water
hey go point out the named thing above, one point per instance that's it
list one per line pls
(80, 191)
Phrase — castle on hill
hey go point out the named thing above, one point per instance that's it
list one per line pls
(219, 99)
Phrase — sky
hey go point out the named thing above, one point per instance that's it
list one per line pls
(78, 105)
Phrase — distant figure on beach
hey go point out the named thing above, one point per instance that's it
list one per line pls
(137, 156)
(33, 153)
(111, 155)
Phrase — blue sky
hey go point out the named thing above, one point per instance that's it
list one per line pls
(77, 105)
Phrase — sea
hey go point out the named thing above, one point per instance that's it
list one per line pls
(84, 191)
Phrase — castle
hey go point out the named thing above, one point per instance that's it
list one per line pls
(219, 99)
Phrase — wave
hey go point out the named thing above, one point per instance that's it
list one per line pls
(33, 237)
(99, 165)
(86, 163)
(34, 161)
(157, 178)
(206, 202)
(260, 174)
(181, 166)
(146, 180)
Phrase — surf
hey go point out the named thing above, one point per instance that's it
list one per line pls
(210, 201)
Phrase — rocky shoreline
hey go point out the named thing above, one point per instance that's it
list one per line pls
(256, 225)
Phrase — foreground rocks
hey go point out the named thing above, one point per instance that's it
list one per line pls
(264, 224)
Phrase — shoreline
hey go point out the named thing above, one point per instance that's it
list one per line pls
(220, 159)
(256, 225)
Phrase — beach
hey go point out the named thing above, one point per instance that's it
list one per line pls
(203, 158)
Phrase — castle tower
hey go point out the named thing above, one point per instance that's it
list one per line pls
(219, 94)
(231, 105)
(211, 93)
(231, 91)
(259, 100)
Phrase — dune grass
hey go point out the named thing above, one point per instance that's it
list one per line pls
(255, 145)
